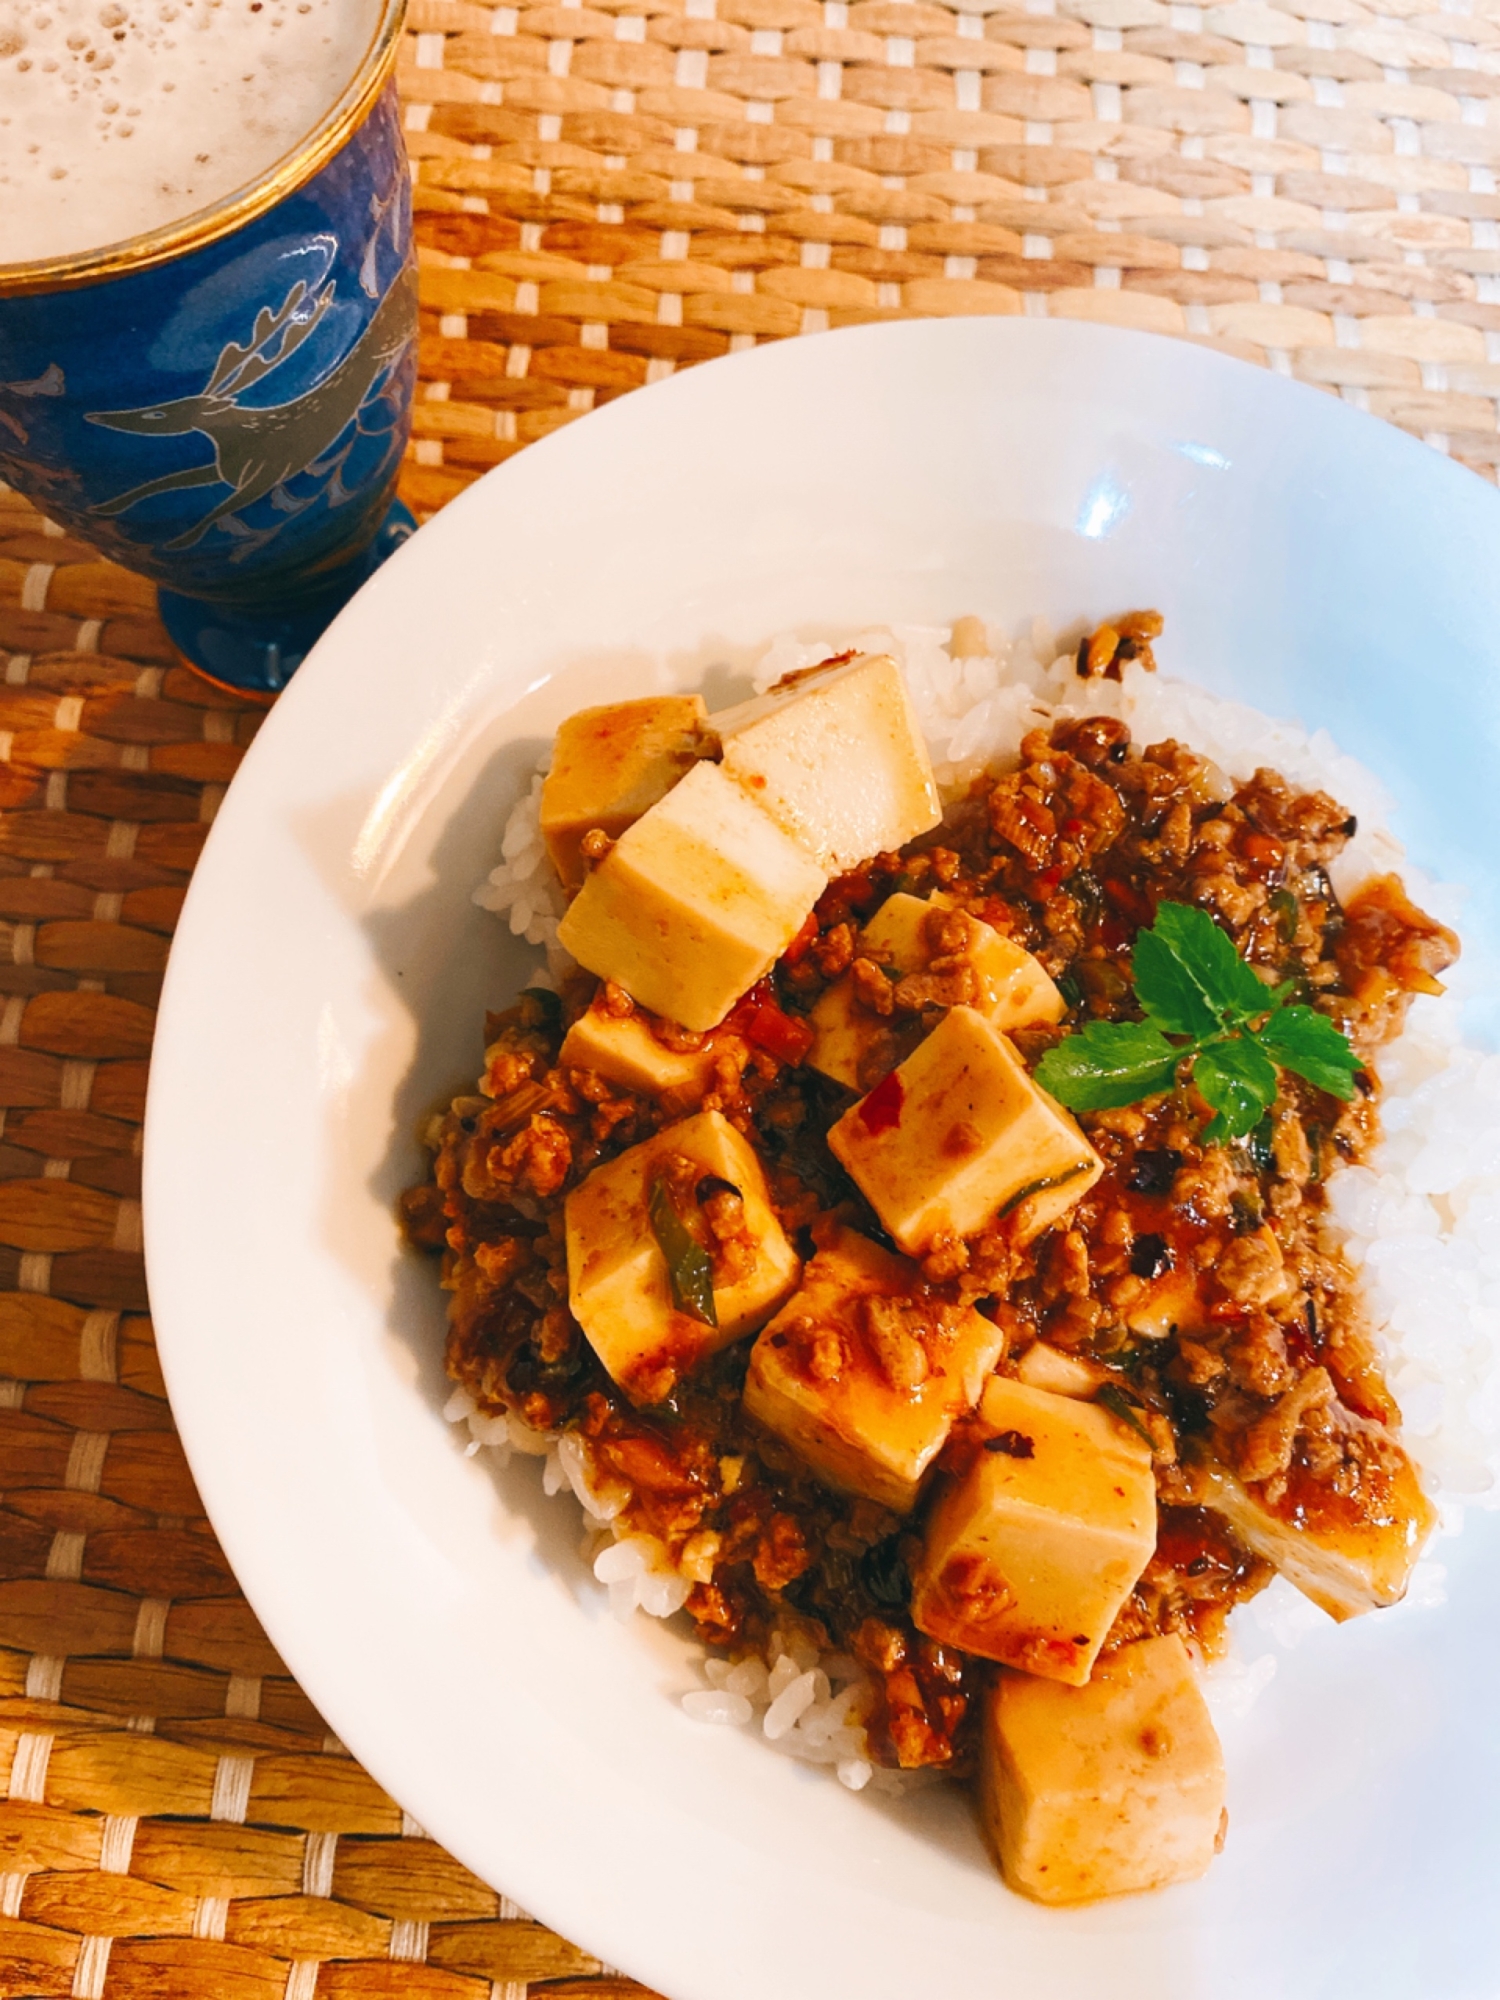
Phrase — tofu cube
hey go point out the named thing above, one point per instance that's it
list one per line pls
(1031, 1553)
(1103, 1790)
(864, 1376)
(610, 765)
(1348, 1555)
(837, 759)
(618, 1284)
(960, 1134)
(624, 1050)
(1009, 987)
(1043, 1366)
(694, 903)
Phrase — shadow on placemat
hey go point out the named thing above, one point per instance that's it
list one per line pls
(177, 1824)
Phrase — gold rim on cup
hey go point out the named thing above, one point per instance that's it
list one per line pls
(293, 170)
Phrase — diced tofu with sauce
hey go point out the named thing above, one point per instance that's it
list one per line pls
(1030, 1554)
(1348, 1559)
(1008, 986)
(694, 903)
(624, 1050)
(1172, 1303)
(959, 1134)
(1107, 1789)
(836, 758)
(863, 1376)
(1043, 1366)
(618, 1282)
(610, 765)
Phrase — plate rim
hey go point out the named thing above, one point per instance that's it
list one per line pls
(327, 664)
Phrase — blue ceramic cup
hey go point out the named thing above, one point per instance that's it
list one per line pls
(222, 405)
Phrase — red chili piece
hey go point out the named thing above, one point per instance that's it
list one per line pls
(780, 1034)
(1127, 898)
(881, 1110)
(744, 1010)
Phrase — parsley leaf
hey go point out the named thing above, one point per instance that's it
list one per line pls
(1206, 1007)
(1307, 1042)
(1167, 990)
(1109, 1063)
(1190, 979)
(1238, 1083)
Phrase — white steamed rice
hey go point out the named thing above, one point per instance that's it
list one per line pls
(1420, 1221)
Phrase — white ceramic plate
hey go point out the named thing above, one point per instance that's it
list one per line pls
(328, 984)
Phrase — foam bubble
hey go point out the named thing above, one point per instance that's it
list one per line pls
(120, 116)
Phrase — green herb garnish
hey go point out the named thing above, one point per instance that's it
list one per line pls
(1284, 909)
(1108, 1063)
(689, 1271)
(1042, 1186)
(1118, 1404)
(1204, 1006)
(1261, 1145)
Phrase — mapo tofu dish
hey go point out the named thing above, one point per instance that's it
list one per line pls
(911, 1217)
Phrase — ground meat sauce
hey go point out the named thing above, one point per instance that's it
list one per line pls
(1069, 855)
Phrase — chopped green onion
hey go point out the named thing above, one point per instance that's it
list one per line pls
(1041, 1187)
(1118, 1405)
(689, 1271)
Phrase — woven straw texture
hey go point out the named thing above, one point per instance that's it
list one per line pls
(176, 1823)
(609, 192)
(604, 194)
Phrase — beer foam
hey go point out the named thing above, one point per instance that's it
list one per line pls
(121, 116)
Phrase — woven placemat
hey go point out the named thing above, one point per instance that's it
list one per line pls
(610, 192)
(177, 1822)
(604, 194)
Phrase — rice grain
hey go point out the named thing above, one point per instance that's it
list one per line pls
(1421, 1221)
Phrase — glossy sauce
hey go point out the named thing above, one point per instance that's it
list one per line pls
(1069, 857)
